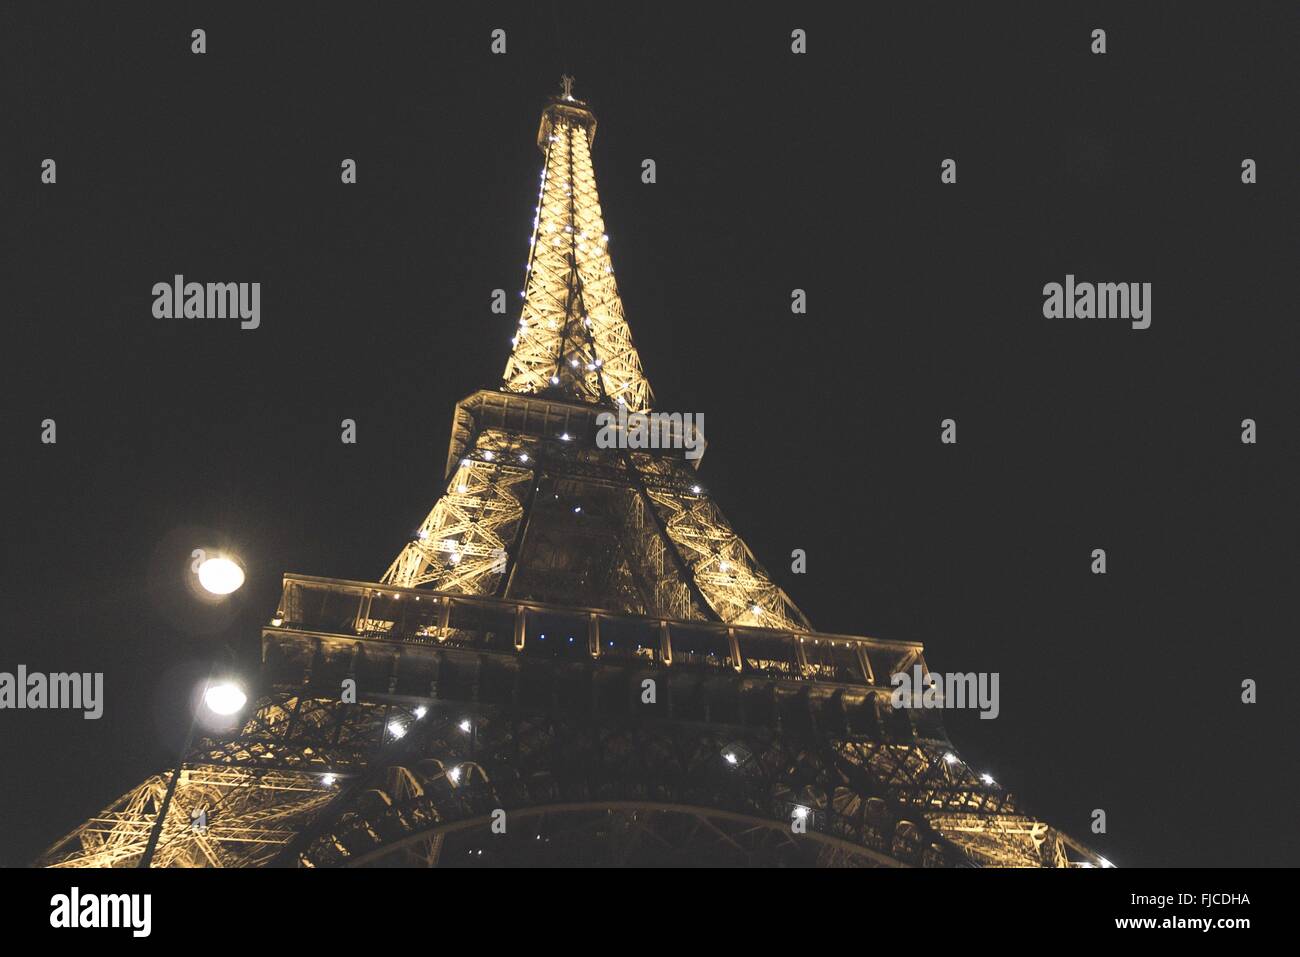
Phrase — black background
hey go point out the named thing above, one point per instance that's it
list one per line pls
(775, 172)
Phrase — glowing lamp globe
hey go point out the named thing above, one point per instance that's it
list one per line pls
(224, 698)
(220, 576)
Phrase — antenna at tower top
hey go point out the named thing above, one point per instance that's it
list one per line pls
(566, 82)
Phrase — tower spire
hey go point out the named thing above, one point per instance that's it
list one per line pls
(573, 340)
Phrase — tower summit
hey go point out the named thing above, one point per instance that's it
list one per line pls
(575, 638)
(572, 340)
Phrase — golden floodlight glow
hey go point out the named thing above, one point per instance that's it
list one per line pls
(220, 576)
(224, 698)
(568, 213)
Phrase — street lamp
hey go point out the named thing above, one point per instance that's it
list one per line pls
(223, 698)
(220, 575)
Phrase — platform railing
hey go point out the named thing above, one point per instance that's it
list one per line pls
(371, 611)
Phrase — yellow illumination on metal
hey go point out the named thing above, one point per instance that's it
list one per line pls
(573, 339)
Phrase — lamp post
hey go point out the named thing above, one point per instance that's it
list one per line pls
(223, 698)
(219, 575)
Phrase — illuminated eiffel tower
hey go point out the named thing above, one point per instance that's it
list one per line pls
(575, 661)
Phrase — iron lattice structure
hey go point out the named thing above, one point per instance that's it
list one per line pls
(501, 663)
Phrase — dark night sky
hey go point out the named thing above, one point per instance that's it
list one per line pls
(775, 171)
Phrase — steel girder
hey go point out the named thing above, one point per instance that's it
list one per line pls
(677, 542)
(314, 782)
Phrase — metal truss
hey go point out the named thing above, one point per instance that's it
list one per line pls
(735, 584)
(537, 767)
(312, 782)
(461, 545)
(586, 791)
(572, 338)
(256, 791)
(675, 541)
(248, 818)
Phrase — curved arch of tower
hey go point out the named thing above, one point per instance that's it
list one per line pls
(575, 661)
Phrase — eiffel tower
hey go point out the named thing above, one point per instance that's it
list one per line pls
(576, 661)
